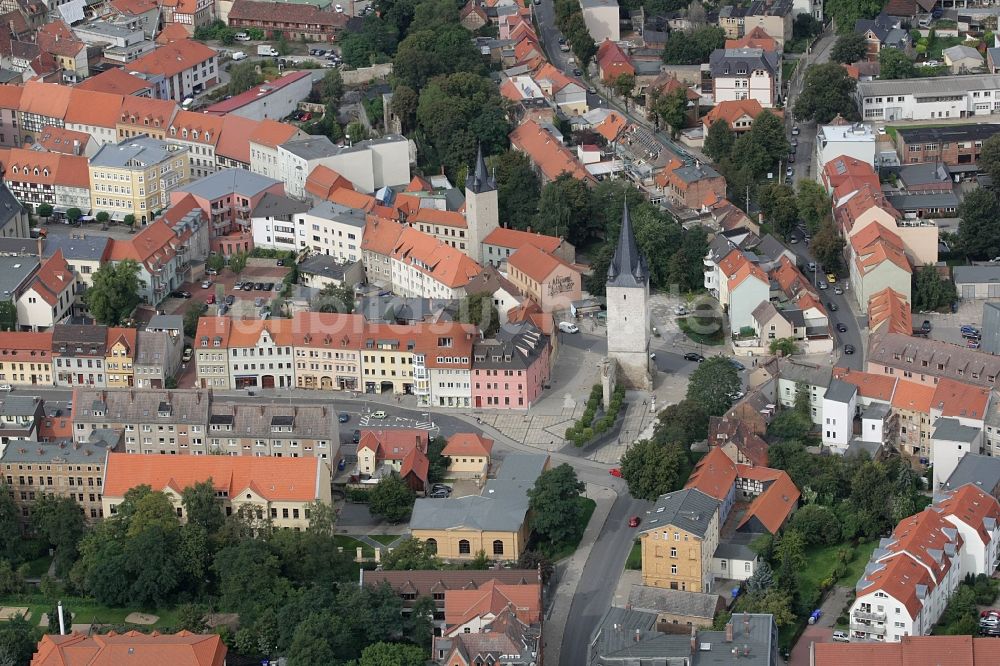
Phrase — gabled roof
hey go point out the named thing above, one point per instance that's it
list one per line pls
(248, 10)
(57, 39)
(172, 32)
(52, 168)
(755, 39)
(444, 263)
(875, 245)
(958, 399)
(773, 506)
(912, 651)
(53, 278)
(94, 108)
(45, 99)
(898, 577)
(870, 385)
(970, 505)
(151, 247)
(392, 443)
(889, 307)
(461, 606)
(714, 475)
(747, 270)
(234, 141)
(276, 479)
(535, 263)
(380, 235)
(515, 239)
(545, 152)
(733, 110)
(323, 181)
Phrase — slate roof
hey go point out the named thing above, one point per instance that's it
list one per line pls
(688, 509)
(658, 600)
(628, 266)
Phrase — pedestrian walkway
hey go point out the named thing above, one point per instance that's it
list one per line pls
(572, 569)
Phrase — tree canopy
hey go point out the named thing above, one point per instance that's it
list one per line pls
(828, 90)
(714, 385)
(391, 499)
(979, 223)
(115, 292)
(652, 469)
(849, 48)
(693, 47)
(555, 505)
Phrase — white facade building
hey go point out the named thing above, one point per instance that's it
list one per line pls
(745, 73)
(930, 98)
(329, 229)
(840, 404)
(855, 140)
(602, 19)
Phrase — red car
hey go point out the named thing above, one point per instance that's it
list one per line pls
(306, 116)
(633, 521)
(614, 471)
(211, 299)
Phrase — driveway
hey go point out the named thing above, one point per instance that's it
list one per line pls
(812, 634)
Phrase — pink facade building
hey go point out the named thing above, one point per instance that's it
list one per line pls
(510, 371)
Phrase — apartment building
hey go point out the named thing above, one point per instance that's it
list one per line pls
(774, 18)
(377, 244)
(878, 262)
(925, 361)
(442, 365)
(62, 468)
(183, 648)
(512, 369)
(272, 100)
(158, 358)
(961, 651)
(423, 266)
(280, 489)
(188, 68)
(79, 354)
(930, 98)
(245, 353)
(227, 197)
(307, 22)
(678, 541)
(913, 572)
(199, 133)
(26, 358)
(745, 73)
(868, 205)
(957, 146)
(136, 176)
(332, 230)
(279, 431)
(545, 278)
(328, 351)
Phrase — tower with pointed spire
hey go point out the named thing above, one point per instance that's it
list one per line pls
(628, 309)
(482, 211)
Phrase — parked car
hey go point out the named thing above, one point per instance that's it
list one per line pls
(837, 290)
(841, 637)
(577, 72)
(379, 414)
(223, 309)
(206, 284)
(812, 266)
(831, 278)
(633, 521)
(258, 286)
(694, 356)
(795, 130)
(789, 171)
(180, 294)
(848, 349)
(211, 271)
(832, 306)
(680, 310)
(342, 464)
(842, 327)
(6, 388)
(188, 353)
(441, 486)
(791, 158)
(343, 417)
(356, 436)
(823, 286)
(438, 494)
(614, 471)
(230, 299)
(211, 299)
(926, 326)
(269, 286)
(736, 364)
(568, 327)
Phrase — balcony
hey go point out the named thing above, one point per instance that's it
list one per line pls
(868, 629)
(868, 616)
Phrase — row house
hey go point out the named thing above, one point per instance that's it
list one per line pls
(255, 353)
(264, 142)
(927, 361)
(547, 154)
(328, 351)
(35, 178)
(157, 358)
(545, 278)
(919, 237)
(79, 353)
(281, 489)
(191, 422)
(120, 361)
(26, 358)
(187, 68)
(510, 370)
(63, 468)
(442, 366)
(878, 262)
(424, 267)
(294, 21)
(227, 197)
(956, 146)
(913, 572)
(156, 251)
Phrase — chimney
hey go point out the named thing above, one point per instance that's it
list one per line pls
(746, 623)
(76, 146)
(39, 247)
(729, 632)
(637, 635)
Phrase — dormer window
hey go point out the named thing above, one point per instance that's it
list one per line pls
(45, 172)
(14, 169)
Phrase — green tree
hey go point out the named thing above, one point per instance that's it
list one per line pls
(783, 346)
(761, 580)
(790, 553)
(828, 247)
(683, 423)
(827, 90)
(129, 221)
(411, 554)
(60, 521)
(719, 140)
(331, 88)
(191, 617)
(849, 48)
(420, 623)
(672, 109)
(356, 131)
(652, 469)
(11, 579)
(44, 211)
(778, 204)
(564, 210)
(18, 640)
(871, 497)
(238, 262)
(812, 204)
(713, 385)
(10, 525)
(426, 54)
(989, 161)
(776, 602)
(74, 215)
(115, 292)
(518, 188)
(215, 262)
(895, 64)
(806, 26)
(555, 505)
(623, 85)
(930, 291)
(391, 499)
(202, 507)
(845, 13)
(693, 47)
(242, 77)
(311, 642)
(818, 524)
(103, 217)
(335, 298)
(478, 309)
(979, 224)
(191, 316)
(8, 316)
(392, 654)
(404, 104)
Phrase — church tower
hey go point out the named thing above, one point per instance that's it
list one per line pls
(482, 212)
(628, 310)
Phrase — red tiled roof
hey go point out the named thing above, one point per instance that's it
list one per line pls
(256, 93)
(234, 143)
(121, 334)
(416, 463)
(971, 506)
(94, 108)
(913, 396)
(954, 398)
(25, 345)
(45, 99)
(870, 385)
(535, 263)
(444, 218)
(173, 58)
(516, 239)
(749, 269)
(843, 167)
(268, 12)
(922, 537)
(755, 39)
(172, 32)
(57, 39)
(276, 479)
(324, 181)
(53, 168)
(151, 247)
(53, 278)
(61, 140)
(198, 127)
(461, 606)
(733, 110)
(467, 444)
(443, 263)
(180, 649)
(392, 443)
(10, 97)
(889, 306)
(714, 475)
(791, 280)
(876, 244)
(380, 235)
(545, 152)
(773, 506)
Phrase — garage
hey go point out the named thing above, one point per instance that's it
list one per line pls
(977, 282)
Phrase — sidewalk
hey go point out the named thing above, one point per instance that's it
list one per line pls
(555, 623)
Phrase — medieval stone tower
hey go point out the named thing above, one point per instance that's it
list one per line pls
(482, 212)
(628, 310)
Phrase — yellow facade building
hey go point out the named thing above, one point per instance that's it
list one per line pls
(120, 359)
(678, 541)
(135, 177)
(496, 523)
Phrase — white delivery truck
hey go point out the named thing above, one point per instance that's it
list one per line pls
(266, 50)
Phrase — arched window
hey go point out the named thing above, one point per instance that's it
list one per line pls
(14, 169)
(497, 547)
(463, 547)
(432, 545)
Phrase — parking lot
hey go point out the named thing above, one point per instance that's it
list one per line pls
(244, 303)
(948, 327)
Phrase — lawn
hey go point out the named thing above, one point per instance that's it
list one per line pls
(350, 545)
(788, 68)
(386, 539)
(856, 567)
(634, 560)
(87, 611)
(821, 561)
(556, 552)
(710, 339)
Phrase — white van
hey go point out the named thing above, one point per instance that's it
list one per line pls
(239, 55)
(841, 636)
(567, 327)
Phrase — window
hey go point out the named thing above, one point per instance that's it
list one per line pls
(497, 547)
(673, 569)
(432, 545)
(463, 547)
